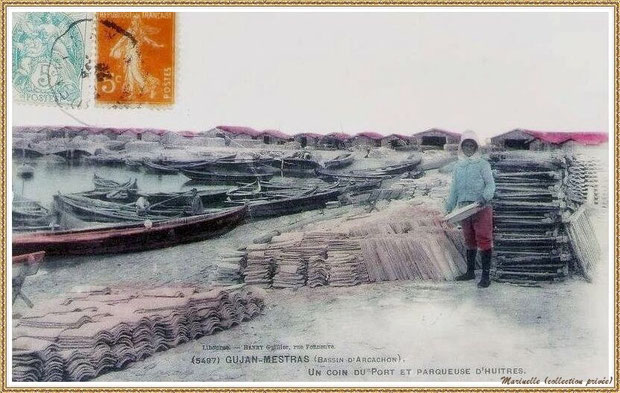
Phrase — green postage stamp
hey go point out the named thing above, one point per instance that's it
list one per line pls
(51, 56)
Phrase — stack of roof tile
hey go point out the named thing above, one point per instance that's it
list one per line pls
(86, 334)
(530, 242)
(406, 257)
(260, 268)
(581, 230)
(346, 265)
(291, 271)
(318, 272)
(405, 244)
(586, 179)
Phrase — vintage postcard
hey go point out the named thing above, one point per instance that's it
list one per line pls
(135, 58)
(333, 198)
(51, 58)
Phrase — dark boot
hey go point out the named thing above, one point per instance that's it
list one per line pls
(485, 258)
(471, 266)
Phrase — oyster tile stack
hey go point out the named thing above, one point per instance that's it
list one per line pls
(346, 265)
(586, 248)
(83, 335)
(587, 179)
(411, 244)
(291, 270)
(318, 272)
(260, 266)
(405, 257)
(530, 240)
(262, 258)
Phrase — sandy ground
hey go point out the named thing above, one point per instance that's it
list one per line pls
(556, 330)
(427, 326)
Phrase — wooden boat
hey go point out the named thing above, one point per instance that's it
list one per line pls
(28, 214)
(35, 257)
(397, 169)
(229, 177)
(291, 205)
(246, 191)
(193, 164)
(341, 161)
(105, 159)
(132, 237)
(357, 175)
(230, 164)
(93, 210)
(159, 169)
(106, 184)
(297, 164)
(208, 197)
(356, 186)
(116, 195)
(387, 171)
(256, 191)
(133, 165)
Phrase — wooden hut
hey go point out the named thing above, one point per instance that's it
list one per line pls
(274, 137)
(366, 139)
(435, 138)
(238, 132)
(212, 133)
(153, 134)
(394, 141)
(522, 139)
(335, 140)
(307, 139)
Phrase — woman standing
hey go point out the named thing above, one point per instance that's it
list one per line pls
(472, 181)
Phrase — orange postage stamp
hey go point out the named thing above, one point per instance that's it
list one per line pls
(135, 58)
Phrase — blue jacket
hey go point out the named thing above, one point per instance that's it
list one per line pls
(472, 181)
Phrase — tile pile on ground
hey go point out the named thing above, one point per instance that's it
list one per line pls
(587, 179)
(96, 330)
(530, 240)
(411, 242)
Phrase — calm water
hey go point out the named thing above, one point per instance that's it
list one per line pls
(51, 178)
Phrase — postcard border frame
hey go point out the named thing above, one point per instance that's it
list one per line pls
(615, 4)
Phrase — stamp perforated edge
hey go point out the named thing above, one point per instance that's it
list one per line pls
(87, 85)
(128, 105)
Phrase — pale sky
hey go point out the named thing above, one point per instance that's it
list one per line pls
(386, 72)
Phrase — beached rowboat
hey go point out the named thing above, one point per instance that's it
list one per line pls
(277, 207)
(131, 237)
(106, 184)
(342, 161)
(231, 177)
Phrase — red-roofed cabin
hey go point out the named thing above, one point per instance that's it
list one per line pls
(110, 132)
(187, 134)
(367, 139)
(395, 141)
(336, 140)
(435, 138)
(131, 134)
(522, 139)
(307, 139)
(238, 132)
(274, 137)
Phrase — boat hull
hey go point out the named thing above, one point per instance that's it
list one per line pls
(226, 178)
(291, 205)
(339, 162)
(130, 238)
